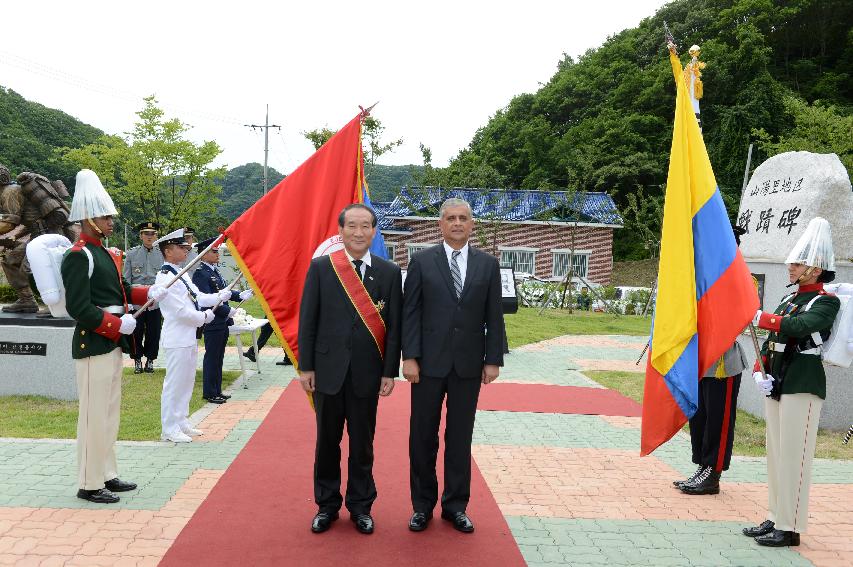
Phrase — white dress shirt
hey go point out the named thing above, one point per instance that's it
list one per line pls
(365, 261)
(461, 260)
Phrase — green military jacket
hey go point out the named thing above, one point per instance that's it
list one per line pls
(791, 324)
(97, 331)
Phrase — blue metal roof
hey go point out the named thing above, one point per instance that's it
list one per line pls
(509, 205)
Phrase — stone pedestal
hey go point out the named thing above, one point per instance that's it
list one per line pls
(35, 357)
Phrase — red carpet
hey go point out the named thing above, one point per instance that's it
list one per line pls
(544, 398)
(260, 511)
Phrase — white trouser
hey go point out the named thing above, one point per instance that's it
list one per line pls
(791, 436)
(99, 392)
(178, 387)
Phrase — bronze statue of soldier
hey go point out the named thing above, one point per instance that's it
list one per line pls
(29, 207)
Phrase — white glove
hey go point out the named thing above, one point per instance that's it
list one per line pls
(764, 386)
(157, 292)
(128, 324)
(225, 295)
(246, 294)
(231, 313)
(757, 317)
(209, 316)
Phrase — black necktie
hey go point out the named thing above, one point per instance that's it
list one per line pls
(357, 264)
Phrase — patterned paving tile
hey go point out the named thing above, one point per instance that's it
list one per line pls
(557, 541)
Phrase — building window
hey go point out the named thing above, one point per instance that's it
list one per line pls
(561, 264)
(415, 248)
(390, 251)
(519, 260)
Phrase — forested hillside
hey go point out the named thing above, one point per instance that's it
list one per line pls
(30, 132)
(603, 122)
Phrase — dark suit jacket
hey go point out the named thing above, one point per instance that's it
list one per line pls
(334, 339)
(208, 281)
(443, 332)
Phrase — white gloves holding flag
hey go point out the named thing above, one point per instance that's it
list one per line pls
(224, 295)
(246, 294)
(157, 292)
(757, 317)
(764, 386)
(209, 315)
(128, 324)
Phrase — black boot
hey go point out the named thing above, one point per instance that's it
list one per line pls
(149, 366)
(778, 538)
(708, 482)
(679, 483)
(250, 354)
(137, 366)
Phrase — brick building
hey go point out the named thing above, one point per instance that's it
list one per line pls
(531, 231)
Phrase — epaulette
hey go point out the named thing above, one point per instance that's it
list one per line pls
(78, 246)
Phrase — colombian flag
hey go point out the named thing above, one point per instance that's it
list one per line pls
(705, 292)
(274, 241)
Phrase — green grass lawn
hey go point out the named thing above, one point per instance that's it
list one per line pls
(527, 326)
(749, 430)
(41, 417)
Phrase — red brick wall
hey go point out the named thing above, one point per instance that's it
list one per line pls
(598, 240)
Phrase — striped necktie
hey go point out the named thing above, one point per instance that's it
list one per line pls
(455, 273)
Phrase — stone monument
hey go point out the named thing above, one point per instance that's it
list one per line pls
(784, 194)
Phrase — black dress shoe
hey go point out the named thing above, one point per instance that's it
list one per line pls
(118, 485)
(363, 523)
(323, 521)
(250, 354)
(778, 538)
(216, 400)
(137, 366)
(763, 528)
(419, 521)
(100, 496)
(149, 366)
(460, 520)
(226, 396)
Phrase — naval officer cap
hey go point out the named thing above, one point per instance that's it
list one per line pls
(147, 225)
(174, 237)
(205, 243)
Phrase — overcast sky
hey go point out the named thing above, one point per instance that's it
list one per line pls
(439, 69)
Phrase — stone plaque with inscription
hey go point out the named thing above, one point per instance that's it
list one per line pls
(785, 193)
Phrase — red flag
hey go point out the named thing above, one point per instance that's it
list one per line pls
(274, 240)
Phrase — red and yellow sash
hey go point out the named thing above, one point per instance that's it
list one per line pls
(361, 300)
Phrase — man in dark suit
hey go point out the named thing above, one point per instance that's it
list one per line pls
(453, 337)
(349, 354)
(208, 280)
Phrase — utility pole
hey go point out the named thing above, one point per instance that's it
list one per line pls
(266, 128)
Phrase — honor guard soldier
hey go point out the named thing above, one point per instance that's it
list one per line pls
(97, 297)
(182, 316)
(189, 235)
(712, 427)
(795, 384)
(141, 264)
(208, 280)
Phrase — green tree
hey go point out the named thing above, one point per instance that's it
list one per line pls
(154, 172)
(817, 128)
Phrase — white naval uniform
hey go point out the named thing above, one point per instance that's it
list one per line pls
(181, 318)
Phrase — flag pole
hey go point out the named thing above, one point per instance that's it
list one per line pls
(185, 269)
(228, 288)
(757, 350)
